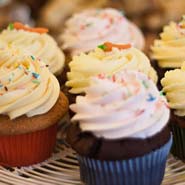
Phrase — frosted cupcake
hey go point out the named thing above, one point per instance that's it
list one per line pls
(85, 30)
(168, 51)
(120, 131)
(174, 87)
(109, 59)
(31, 105)
(37, 42)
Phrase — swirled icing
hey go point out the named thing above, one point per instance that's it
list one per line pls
(169, 49)
(85, 30)
(40, 45)
(126, 105)
(84, 66)
(26, 85)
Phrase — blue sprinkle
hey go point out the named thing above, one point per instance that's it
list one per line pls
(35, 75)
(1, 85)
(150, 97)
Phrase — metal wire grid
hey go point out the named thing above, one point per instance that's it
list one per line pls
(62, 169)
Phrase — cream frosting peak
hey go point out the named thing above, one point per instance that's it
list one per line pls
(84, 66)
(174, 87)
(85, 30)
(169, 49)
(40, 45)
(26, 85)
(125, 105)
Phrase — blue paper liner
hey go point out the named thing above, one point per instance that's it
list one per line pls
(145, 170)
(178, 146)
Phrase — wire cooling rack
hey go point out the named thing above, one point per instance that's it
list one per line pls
(62, 169)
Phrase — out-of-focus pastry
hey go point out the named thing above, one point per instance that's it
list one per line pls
(56, 12)
(85, 30)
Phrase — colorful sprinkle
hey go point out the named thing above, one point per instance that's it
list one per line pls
(162, 93)
(35, 75)
(151, 98)
(1, 85)
(36, 82)
(32, 57)
(11, 26)
(145, 84)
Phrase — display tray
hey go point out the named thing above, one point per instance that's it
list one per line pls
(62, 169)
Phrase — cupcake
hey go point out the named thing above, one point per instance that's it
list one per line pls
(174, 87)
(109, 59)
(31, 105)
(85, 30)
(37, 42)
(120, 131)
(168, 51)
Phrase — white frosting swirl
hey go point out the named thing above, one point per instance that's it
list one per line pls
(84, 31)
(40, 45)
(26, 85)
(126, 105)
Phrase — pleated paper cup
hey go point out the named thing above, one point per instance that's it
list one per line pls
(27, 149)
(178, 146)
(145, 170)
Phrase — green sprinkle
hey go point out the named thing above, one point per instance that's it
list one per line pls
(122, 12)
(103, 47)
(145, 84)
(11, 26)
(36, 81)
(32, 57)
(162, 93)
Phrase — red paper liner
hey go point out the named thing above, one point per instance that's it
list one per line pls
(27, 149)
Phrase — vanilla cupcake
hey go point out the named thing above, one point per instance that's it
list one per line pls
(85, 30)
(168, 51)
(120, 131)
(37, 42)
(31, 105)
(174, 87)
(108, 60)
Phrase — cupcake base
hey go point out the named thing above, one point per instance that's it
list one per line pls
(146, 170)
(27, 149)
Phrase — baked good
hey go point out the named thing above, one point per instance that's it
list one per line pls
(37, 42)
(168, 51)
(100, 60)
(85, 30)
(173, 87)
(54, 14)
(120, 131)
(31, 105)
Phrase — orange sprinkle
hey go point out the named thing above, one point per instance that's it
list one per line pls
(20, 26)
(110, 45)
(107, 46)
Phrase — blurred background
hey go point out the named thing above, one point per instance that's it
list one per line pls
(149, 15)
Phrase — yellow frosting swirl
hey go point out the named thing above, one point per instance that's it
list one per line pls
(98, 61)
(26, 85)
(174, 86)
(169, 49)
(41, 45)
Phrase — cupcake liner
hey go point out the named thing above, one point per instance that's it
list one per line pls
(178, 146)
(27, 149)
(146, 170)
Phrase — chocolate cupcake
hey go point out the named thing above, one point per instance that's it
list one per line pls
(31, 105)
(38, 43)
(85, 30)
(174, 87)
(120, 131)
(168, 51)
